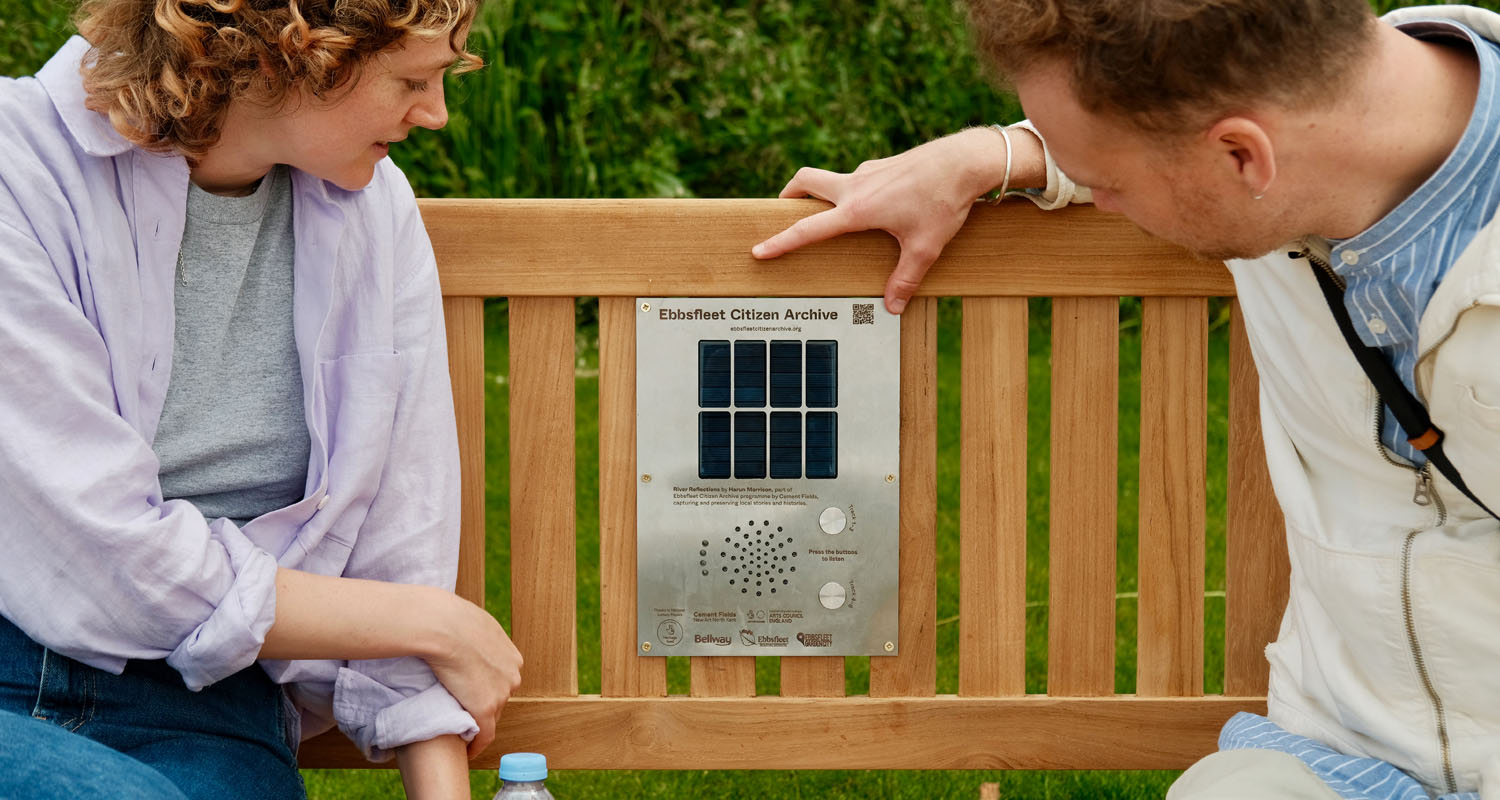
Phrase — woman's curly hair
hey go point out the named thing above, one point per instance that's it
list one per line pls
(164, 71)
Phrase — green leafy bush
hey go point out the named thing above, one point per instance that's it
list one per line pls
(667, 99)
(608, 98)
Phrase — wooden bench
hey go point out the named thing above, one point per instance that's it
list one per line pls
(543, 254)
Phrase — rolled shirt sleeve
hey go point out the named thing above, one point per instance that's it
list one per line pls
(231, 638)
(379, 717)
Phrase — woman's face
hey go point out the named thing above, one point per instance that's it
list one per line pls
(341, 139)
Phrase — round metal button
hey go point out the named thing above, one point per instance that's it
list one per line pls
(832, 520)
(831, 595)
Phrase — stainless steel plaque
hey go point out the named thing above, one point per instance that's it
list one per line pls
(767, 444)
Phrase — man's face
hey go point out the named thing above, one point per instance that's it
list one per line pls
(1183, 189)
(341, 139)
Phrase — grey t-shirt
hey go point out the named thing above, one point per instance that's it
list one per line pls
(233, 434)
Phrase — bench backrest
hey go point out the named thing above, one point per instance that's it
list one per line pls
(543, 254)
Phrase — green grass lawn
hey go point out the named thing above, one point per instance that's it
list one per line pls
(855, 784)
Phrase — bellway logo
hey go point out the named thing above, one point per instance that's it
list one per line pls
(747, 636)
(707, 638)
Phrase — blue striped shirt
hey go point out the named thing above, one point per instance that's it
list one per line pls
(1350, 777)
(1393, 267)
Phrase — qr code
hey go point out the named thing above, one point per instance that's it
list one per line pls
(864, 313)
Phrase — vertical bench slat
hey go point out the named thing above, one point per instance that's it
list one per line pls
(1173, 495)
(812, 676)
(1085, 389)
(542, 493)
(1256, 584)
(624, 673)
(913, 673)
(722, 676)
(463, 318)
(992, 498)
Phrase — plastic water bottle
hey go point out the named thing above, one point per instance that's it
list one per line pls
(523, 776)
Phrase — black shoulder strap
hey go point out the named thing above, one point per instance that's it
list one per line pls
(1408, 410)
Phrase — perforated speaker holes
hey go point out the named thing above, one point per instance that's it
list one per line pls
(756, 557)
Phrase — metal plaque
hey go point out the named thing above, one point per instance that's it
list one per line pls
(768, 452)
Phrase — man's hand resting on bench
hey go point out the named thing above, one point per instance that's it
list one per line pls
(921, 197)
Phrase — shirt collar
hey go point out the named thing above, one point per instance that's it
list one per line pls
(1416, 214)
(60, 78)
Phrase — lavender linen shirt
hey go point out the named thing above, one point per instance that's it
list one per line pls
(93, 563)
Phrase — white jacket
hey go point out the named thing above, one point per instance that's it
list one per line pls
(1390, 645)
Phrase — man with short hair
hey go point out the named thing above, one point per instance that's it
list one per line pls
(1279, 134)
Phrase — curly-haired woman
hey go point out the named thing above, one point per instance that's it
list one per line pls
(227, 455)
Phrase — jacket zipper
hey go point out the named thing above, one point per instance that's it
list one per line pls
(1424, 495)
(1416, 654)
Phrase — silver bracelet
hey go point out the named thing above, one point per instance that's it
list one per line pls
(1005, 182)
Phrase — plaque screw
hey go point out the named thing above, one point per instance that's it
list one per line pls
(890, 479)
(645, 307)
(889, 646)
(645, 477)
(646, 647)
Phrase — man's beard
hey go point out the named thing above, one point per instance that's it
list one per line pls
(1229, 252)
(1211, 244)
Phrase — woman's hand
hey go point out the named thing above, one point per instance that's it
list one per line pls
(921, 197)
(477, 663)
(318, 616)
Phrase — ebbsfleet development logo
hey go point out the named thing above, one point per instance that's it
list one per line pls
(815, 639)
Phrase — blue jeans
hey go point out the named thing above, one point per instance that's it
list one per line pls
(68, 730)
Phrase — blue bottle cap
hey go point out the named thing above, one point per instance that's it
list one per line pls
(523, 767)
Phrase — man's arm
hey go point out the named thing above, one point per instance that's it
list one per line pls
(921, 197)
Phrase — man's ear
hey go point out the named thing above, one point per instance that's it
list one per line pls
(1243, 147)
